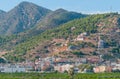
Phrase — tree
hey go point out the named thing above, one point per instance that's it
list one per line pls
(71, 73)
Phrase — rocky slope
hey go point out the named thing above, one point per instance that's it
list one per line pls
(21, 18)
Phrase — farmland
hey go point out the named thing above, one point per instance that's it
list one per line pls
(58, 76)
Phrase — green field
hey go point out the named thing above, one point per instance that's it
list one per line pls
(58, 76)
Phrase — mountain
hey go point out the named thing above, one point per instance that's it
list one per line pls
(47, 42)
(55, 19)
(21, 18)
(33, 19)
(27, 20)
(2, 14)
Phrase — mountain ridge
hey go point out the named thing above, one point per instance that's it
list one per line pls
(2, 14)
(22, 17)
(29, 31)
(43, 44)
(26, 15)
(56, 18)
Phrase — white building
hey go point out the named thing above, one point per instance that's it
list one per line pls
(79, 38)
(8, 68)
(115, 66)
(63, 68)
(99, 69)
(12, 68)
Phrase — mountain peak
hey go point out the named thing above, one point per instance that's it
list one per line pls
(60, 10)
(30, 6)
(22, 17)
(25, 2)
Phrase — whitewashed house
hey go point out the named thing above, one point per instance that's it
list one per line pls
(115, 66)
(63, 68)
(99, 69)
(81, 37)
(12, 68)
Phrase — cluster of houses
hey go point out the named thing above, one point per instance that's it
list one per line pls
(52, 64)
(11, 68)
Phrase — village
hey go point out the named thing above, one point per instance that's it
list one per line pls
(62, 63)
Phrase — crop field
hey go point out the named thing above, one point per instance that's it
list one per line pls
(58, 76)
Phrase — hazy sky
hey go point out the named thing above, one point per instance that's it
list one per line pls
(84, 6)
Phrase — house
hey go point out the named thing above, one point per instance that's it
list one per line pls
(115, 66)
(84, 34)
(73, 28)
(118, 30)
(81, 37)
(63, 68)
(12, 68)
(93, 59)
(101, 69)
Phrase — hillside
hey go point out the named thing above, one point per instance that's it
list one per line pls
(53, 20)
(50, 21)
(21, 18)
(57, 18)
(33, 19)
(2, 14)
(58, 41)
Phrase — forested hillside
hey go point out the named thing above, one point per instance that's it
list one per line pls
(40, 45)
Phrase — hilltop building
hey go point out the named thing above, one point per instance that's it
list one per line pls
(81, 37)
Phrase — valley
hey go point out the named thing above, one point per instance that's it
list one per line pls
(33, 34)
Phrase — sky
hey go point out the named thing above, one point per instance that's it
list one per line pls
(83, 6)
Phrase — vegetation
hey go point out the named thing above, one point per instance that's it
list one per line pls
(56, 18)
(88, 24)
(71, 73)
(58, 76)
